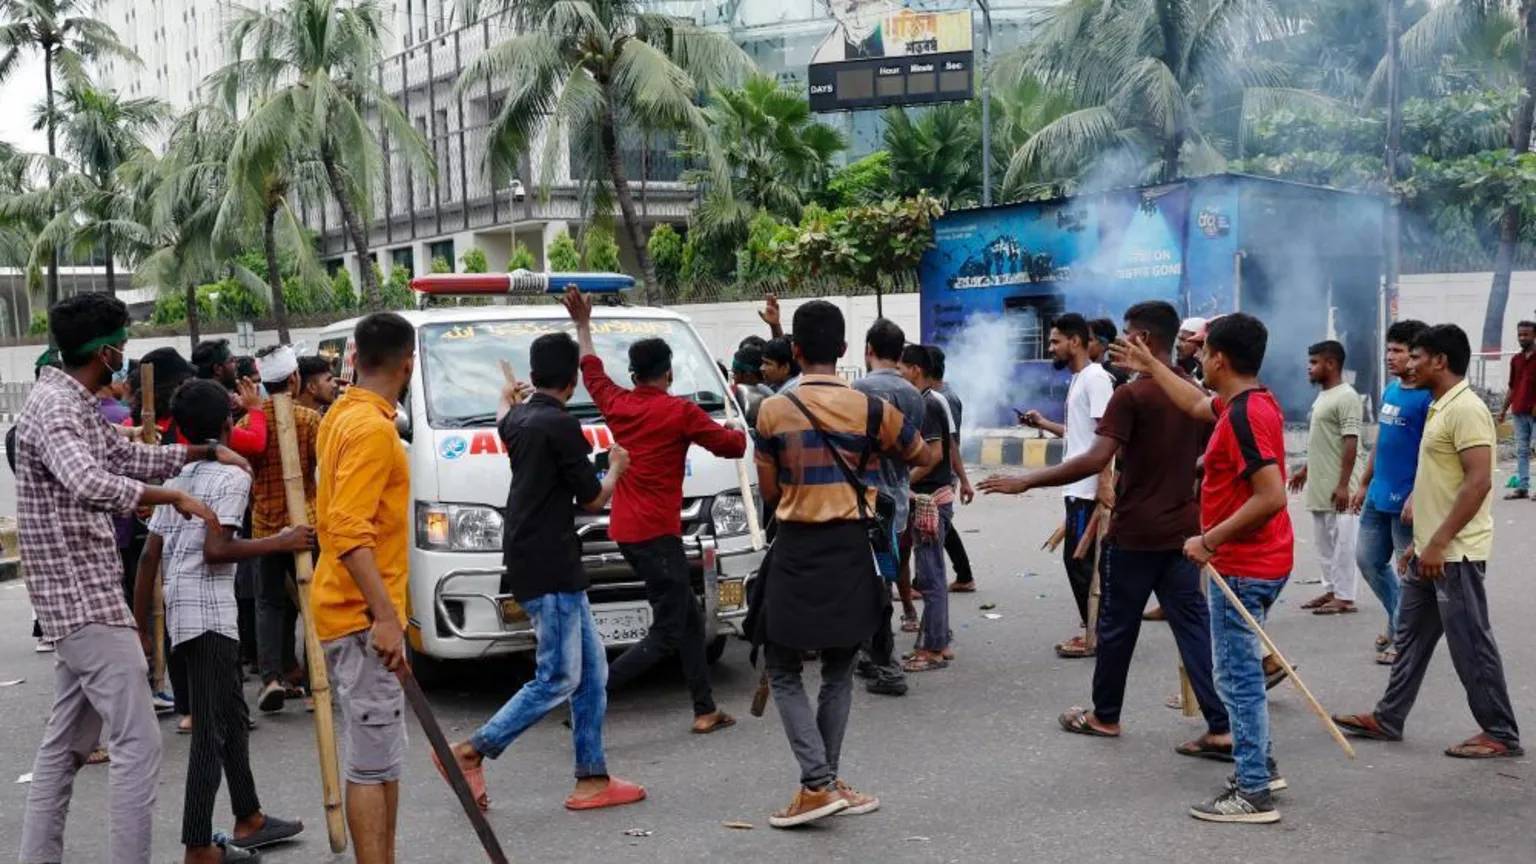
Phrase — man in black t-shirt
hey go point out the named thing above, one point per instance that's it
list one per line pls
(933, 505)
(551, 476)
(1155, 512)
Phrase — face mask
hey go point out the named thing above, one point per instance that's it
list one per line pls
(120, 375)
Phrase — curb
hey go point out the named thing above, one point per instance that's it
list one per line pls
(994, 451)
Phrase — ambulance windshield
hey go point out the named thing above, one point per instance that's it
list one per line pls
(462, 373)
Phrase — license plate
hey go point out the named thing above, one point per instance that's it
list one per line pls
(732, 593)
(622, 625)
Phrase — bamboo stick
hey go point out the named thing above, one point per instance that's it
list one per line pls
(1188, 704)
(319, 681)
(1053, 542)
(150, 434)
(1095, 595)
(1253, 624)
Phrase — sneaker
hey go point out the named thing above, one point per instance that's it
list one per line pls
(272, 697)
(43, 647)
(866, 668)
(808, 806)
(888, 685)
(1237, 806)
(1276, 782)
(163, 703)
(858, 802)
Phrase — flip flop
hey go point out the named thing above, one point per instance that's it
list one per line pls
(1075, 720)
(1336, 609)
(1073, 650)
(98, 757)
(1202, 750)
(616, 794)
(1363, 726)
(1484, 746)
(475, 777)
(924, 664)
(1319, 600)
(909, 625)
(722, 721)
(1387, 657)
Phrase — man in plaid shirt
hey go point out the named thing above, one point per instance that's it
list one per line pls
(73, 473)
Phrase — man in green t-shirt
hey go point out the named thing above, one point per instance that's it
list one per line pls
(1443, 591)
(1329, 477)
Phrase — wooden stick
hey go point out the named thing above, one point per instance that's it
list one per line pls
(1290, 671)
(319, 681)
(743, 479)
(1054, 541)
(150, 434)
(1188, 704)
(1090, 531)
(439, 742)
(1101, 520)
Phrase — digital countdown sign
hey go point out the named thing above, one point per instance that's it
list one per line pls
(880, 54)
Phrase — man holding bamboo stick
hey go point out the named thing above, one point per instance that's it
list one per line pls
(358, 598)
(1246, 537)
(1155, 512)
(1087, 399)
(73, 471)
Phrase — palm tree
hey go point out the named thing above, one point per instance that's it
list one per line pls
(938, 153)
(594, 70)
(1158, 85)
(310, 65)
(776, 154)
(1463, 28)
(68, 38)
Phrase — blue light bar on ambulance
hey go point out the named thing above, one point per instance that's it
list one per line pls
(520, 283)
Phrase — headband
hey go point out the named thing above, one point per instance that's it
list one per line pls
(113, 338)
(279, 365)
(49, 357)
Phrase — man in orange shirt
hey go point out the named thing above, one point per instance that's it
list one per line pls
(359, 595)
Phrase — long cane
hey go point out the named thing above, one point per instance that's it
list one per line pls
(319, 681)
(150, 434)
(429, 725)
(1095, 591)
(743, 479)
(1290, 671)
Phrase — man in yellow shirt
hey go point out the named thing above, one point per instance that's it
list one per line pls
(1452, 538)
(359, 594)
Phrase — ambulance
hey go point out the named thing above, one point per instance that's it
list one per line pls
(460, 473)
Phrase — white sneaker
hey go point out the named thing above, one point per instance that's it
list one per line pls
(44, 647)
(163, 703)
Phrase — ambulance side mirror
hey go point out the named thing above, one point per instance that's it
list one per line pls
(403, 421)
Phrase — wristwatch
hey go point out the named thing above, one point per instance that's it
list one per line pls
(213, 446)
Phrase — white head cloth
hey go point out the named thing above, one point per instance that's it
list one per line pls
(278, 365)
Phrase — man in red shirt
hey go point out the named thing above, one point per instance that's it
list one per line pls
(1246, 537)
(657, 429)
(1520, 401)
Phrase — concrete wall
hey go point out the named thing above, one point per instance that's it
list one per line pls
(1462, 299)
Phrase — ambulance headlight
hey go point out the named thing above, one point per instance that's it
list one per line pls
(729, 515)
(458, 527)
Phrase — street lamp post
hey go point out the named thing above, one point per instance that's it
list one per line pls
(986, 102)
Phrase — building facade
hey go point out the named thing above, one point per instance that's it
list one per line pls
(416, 220)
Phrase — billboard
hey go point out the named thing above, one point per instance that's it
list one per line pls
(879, 53)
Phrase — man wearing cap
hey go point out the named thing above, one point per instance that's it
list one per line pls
(1191, 337)
(276, 613)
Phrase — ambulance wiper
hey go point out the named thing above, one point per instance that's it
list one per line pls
(471, 420)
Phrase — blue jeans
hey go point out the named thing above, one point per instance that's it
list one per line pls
(570, 665)
(1524, 423)
(1383, 536)
(1240, 674)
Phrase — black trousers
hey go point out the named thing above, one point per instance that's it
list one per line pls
(677, 625)
(220, 737)
(1127, 578)
(955, 548)
(1079, 570)
(276, 618)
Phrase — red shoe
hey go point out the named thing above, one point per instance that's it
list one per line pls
(616, 794)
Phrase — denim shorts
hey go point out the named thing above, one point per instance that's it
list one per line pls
(373, 710)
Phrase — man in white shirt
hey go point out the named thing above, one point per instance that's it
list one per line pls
(1087, 398)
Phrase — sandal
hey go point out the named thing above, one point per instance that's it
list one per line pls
(1319, 600)
(1336, 607)
(475, 777)
(720, 721)
(1075, 720)
(1484, 746)
(1074, 648)
(1202, 749)
(924, 664)
(909, 624)
(1364, 726)
(1383, 642)
(98, 757)
(1386, 657)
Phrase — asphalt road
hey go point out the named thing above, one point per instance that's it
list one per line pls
(970, 765)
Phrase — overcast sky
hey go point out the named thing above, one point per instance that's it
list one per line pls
(18, 94)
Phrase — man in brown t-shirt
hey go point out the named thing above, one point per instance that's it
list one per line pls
(1155, 512)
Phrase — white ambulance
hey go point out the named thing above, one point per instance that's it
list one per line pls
(460, 476)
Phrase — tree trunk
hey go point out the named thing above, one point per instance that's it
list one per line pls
(106, 243)
(1393, 228)
(1509, 221)
(632, 228)
(53, 253)
(192, 323)
(1168, 14)
(274, 276)
(373, 297)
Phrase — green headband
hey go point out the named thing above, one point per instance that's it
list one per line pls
(49, 357)
(116, 336)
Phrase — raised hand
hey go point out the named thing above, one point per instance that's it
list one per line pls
(1132, 355)
(578, 305)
